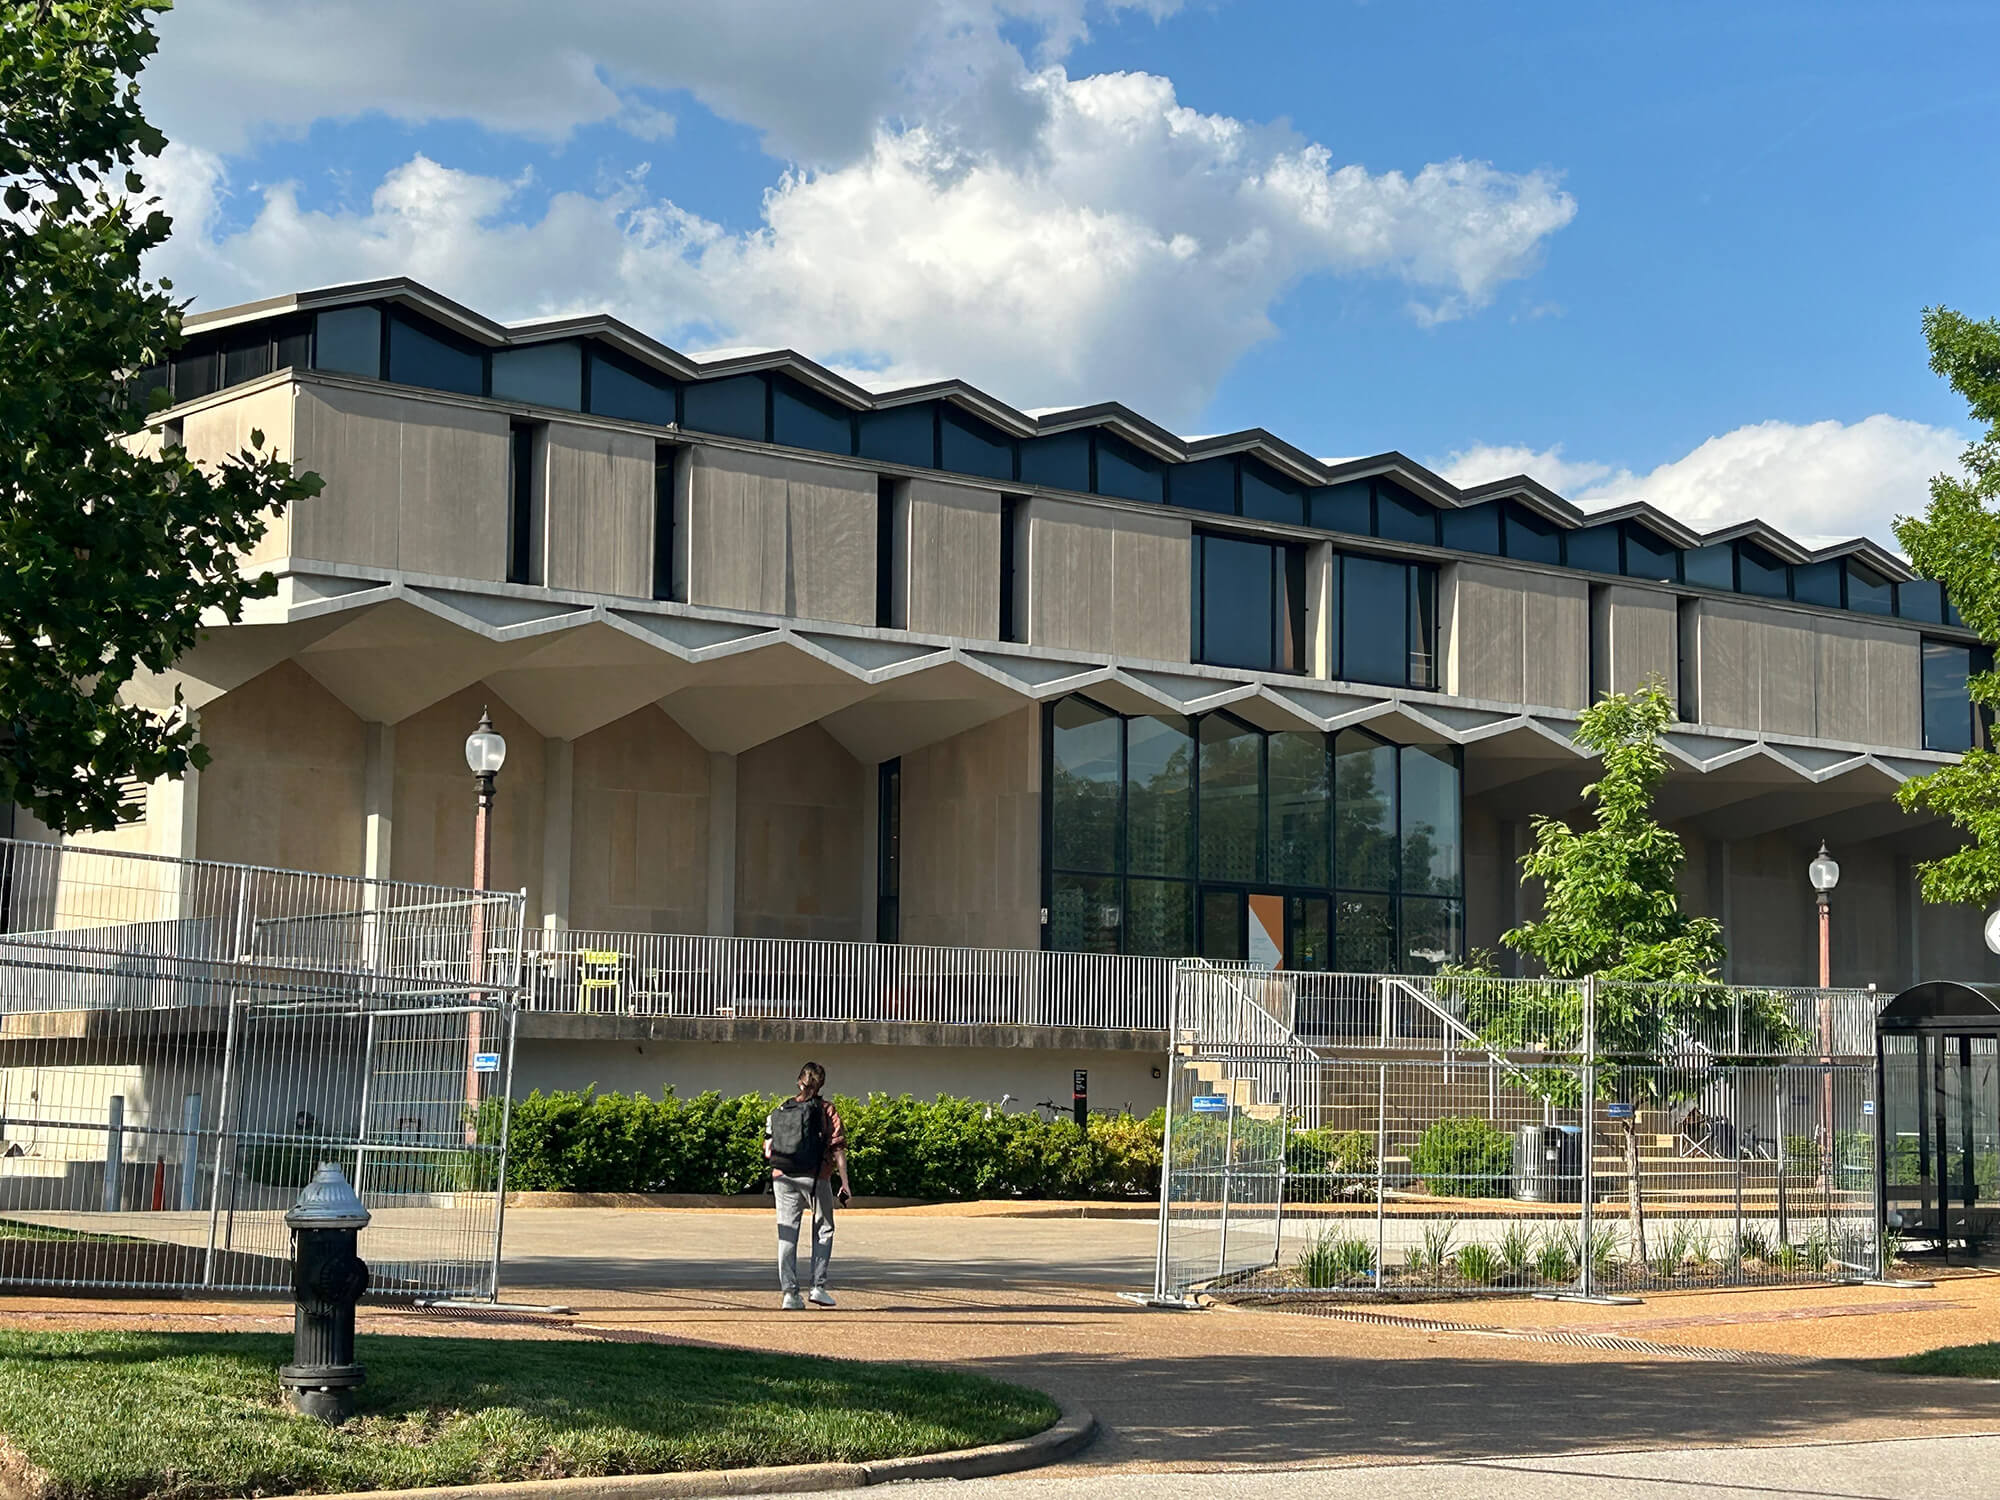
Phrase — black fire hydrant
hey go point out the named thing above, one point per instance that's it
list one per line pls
(328, 1278)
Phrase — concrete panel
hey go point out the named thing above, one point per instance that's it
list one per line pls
(434, 800)
(1515, 637)
(1108, 581)
(454, 496)
(410, 483)
(287, 782)
(781, 536)
(1868, 684)
(599, 508)
(639, 819)
(950, 560)
(223, 431)
(972, 836)
(1635, 634)
(798, 833)
(1755, 668)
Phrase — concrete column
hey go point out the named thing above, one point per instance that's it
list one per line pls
(1320, 623)
(1909, 919)
(721, 844)
(378, 800)
(871, 842)
(558, 812)
(173, 808)
(1508, 898)
(1725, 908)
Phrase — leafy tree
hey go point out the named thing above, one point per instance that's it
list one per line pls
(1611, 908)
(1957, 541)
(110, 554)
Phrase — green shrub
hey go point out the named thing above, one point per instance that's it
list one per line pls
(1516, 1247)
(1334, 1258)
(1554, 1261)
(1479, 1263)
(1462, 1156)
(897, 1147)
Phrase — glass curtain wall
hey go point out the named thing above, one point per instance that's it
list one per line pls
(1161, 830)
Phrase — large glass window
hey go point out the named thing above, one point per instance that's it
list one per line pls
(1061, 462)
(802, 418)
(1374, 620)
(1430, 814)
(1869, 592)
(1650, 555)
(1249, 603)
(1758, 572)
(1083, 801)
(1530, 537)
(1231, 788)
(628, 392)
(1123, 471)
(1919, 599)
(1364, 799)
(1948, 722)
(1165, 834)
(349, 340)
(731, 407)
(1269, 496)
(540, 374)
(901, 435)
(1595, 549)
(1209, 485)
(1298, 838)
(1402, 517)
(1159, 797)
(973, 447)
(1475, 528)
(1345, 507)
(420, 354)
(1712, 567)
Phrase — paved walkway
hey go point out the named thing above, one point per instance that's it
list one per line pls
(1035, 1301)
(1962, 1468)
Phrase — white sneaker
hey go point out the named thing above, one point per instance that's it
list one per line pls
(793, 1303)
(819, 1296)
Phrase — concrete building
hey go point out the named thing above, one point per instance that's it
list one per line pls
(779, 657)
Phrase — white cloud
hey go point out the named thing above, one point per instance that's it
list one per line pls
(1819, 482)
(1131, 249)
(1485, 462)
(814, 79)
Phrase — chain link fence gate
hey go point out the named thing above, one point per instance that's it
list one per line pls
(1459, 1137)
(182, 1043)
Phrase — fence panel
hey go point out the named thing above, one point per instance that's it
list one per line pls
(1507, 1136)
(181, 1044)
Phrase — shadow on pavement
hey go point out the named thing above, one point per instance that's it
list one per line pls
(1227, 1410)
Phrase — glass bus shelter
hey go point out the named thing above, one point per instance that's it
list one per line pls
(1937, 1062)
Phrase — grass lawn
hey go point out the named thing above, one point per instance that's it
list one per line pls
(1977, 1361)
(20, 1229)
(181, 1416)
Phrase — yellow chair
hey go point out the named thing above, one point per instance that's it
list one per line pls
(601, 972)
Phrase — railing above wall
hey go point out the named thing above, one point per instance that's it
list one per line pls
(671, 974)
(584, 972)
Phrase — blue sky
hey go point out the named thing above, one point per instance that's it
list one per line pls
(1670, 251)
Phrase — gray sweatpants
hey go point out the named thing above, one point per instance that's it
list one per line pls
(792, 1194)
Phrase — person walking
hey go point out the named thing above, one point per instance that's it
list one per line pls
(807, 1148)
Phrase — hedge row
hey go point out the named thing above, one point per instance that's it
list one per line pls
(897, 1147)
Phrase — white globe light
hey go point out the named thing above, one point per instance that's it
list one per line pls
(1823, 872)
(485, 750)
(1993, 932)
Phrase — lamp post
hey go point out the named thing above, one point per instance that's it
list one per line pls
(485, 754)
(1824, 874)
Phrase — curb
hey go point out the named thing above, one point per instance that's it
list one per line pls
(1072, 1432)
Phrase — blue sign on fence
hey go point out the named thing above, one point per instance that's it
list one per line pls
(1619, 1112)
(1210, 1104)
(485, 1062)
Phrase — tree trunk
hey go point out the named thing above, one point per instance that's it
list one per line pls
(1638, 1211)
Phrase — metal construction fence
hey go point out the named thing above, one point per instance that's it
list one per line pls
(1583, 1138)
(677, 974)
(182, 1043)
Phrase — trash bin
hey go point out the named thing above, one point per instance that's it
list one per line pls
(1548, 1164)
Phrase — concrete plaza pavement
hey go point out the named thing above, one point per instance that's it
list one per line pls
(1035, 1300)
(1964, 1468)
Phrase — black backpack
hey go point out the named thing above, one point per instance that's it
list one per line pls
(797, 1129)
